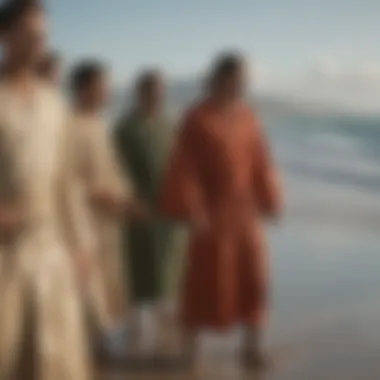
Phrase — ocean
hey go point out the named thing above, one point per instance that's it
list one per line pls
(326, 252)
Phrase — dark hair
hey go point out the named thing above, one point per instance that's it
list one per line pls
(45, 66)
(85, 73)
(224, 65)
(146, 79)
(11, 11)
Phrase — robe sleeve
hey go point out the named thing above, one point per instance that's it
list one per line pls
(121, 144)
(181, 192)
(125, 148)
(108, 175)
(266, 186)
(70, 204)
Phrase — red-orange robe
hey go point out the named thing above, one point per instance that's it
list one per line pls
(221, 171)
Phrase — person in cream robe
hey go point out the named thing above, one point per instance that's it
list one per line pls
(38, 288)
(42, 334)
(104, 192)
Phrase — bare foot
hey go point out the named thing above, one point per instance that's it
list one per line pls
(256, 360)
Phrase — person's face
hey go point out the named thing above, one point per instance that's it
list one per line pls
(153, 95)
(26, 41)
(234, 85)
(99, 92)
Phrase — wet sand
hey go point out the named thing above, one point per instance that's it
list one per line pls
(337, 351)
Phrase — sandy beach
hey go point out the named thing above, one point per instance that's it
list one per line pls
(340, 350)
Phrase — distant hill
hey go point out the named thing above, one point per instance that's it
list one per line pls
(181, 93)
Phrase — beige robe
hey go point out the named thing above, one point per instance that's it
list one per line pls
(39, 296)
(98, 170)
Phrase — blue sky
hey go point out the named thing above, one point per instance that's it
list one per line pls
(287, 39)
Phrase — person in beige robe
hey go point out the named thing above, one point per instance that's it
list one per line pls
(42, 334)
(100, 177)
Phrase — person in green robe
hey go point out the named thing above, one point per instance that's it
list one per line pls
(153, 246)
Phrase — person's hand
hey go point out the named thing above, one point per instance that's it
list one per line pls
(200, 223)
(273, 213)
(106, 202)
(138, 210)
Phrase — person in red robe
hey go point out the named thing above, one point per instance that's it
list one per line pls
(222, 180)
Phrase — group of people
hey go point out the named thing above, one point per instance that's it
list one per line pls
(91, 214)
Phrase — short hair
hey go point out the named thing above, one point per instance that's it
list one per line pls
(146, 79)
(11, 11)
(224, 65)
(85, 73)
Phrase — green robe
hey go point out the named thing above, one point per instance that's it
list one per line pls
(154, 247)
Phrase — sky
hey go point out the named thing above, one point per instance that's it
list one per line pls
(310, 47)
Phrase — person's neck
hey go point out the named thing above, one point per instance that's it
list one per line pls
(18, 73)
(148, 112)
(224, 102)
(87, 109)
